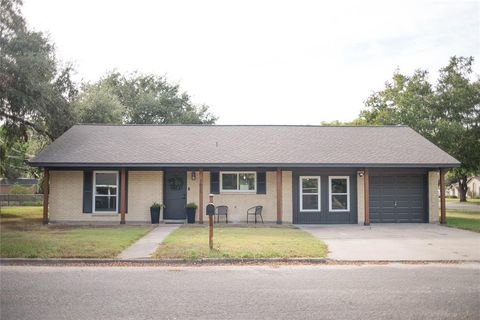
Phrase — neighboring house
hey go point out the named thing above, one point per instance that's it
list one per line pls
(452, 190)
(299, 174)
(473, 186)
(6, 184)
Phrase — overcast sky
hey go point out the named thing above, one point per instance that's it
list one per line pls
(262, 62)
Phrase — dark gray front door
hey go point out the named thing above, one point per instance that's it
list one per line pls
(175, 194)
(398, 198)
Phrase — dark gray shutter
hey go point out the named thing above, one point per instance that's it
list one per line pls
(87, 191)
(215, 182)
(261, 182)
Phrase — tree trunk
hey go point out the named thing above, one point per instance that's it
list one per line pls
(463, 188)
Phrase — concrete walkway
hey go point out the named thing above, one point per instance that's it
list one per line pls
(146, 246)
(397, 242)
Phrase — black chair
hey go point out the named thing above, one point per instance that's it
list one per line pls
(256, 211)
(222, 211)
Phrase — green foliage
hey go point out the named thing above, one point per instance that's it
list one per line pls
(354, 122)
(150, 99)
(35, 92)
(19, 189)
(447, 113)
(15, 152)
(98, 104)
(191, 205)
(157, 205)
(12, 156)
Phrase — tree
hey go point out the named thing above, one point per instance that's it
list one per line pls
(97, 104)
(457, 114)
(354, 122)
(150, 99)
(15, 152)
(35, 92)
(447, 114)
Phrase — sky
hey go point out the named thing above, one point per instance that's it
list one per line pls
(262, 62)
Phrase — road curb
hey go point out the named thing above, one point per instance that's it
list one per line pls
(212, 261)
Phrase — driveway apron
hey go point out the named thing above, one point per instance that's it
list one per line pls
(393, 242)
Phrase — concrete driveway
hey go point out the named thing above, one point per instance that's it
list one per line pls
(397, 242)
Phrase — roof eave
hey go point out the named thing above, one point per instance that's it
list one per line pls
(245, 165)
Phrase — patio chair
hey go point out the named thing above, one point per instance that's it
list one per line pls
(222, 211)
(256, 211)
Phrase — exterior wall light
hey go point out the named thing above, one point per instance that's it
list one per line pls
(361, 173)
(194, 175)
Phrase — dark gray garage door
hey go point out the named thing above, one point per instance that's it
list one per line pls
(398, 198)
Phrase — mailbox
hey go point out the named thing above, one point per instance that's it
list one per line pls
(210, 209)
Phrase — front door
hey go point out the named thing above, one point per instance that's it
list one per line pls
(175, 195)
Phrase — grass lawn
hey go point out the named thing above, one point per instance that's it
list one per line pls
(22, 235)
(191, 242)
(464, 219)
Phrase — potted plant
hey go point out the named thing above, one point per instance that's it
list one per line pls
(155, 212)
(191, 209)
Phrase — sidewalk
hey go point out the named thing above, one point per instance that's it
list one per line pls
(145, 246)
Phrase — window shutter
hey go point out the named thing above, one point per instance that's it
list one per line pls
(215, 182)
(87, 191)
(261, 182)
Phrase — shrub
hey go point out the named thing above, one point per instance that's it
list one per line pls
(157, 205)
(18, 189)
(191, 205)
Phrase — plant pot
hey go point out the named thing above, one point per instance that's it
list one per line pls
(155, 215)
(191, 215)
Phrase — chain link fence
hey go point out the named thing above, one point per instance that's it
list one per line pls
(21, 199)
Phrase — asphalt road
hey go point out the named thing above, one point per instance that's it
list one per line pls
(462, 205)
(296, 292)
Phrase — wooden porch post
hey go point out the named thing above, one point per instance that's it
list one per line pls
(279, 196)
(200, 194)
(123, 195)
(46, 191)
(443, 216)
(366, 194)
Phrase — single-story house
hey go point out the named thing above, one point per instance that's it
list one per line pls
(28, 183)
(299, 174)
(473, 188)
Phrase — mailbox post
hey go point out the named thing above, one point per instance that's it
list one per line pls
(210, 213)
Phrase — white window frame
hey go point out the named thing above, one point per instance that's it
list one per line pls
(238, 182)
(94, 193)
(330, 194)
(319, 193)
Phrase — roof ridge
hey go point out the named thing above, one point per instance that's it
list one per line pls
(241, 125)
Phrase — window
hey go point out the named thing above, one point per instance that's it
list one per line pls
(238, 181)
(105, 191)
(339, 193)
(310, 194)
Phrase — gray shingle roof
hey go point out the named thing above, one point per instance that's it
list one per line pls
(219, 145)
